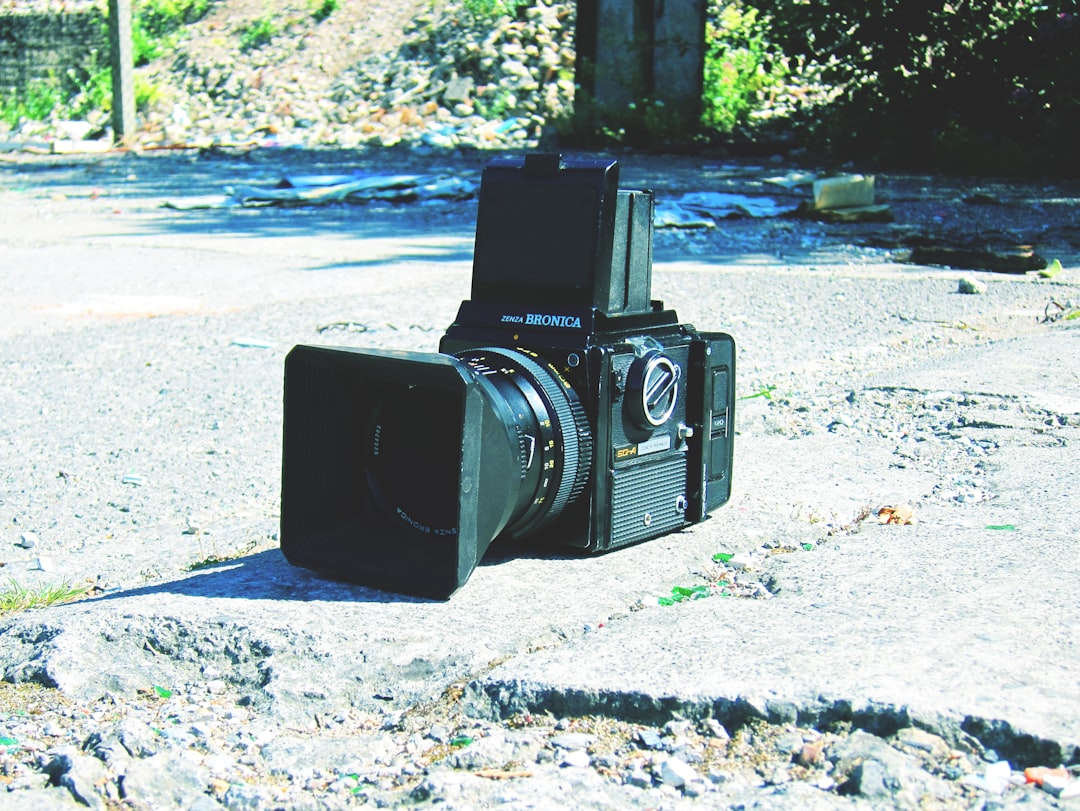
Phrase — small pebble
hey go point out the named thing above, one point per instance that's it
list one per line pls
(970, 286)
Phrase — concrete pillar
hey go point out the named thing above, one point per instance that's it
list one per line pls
(629, 50)
(123, 70)
(679, 54)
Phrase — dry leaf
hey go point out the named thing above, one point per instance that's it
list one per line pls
(900, 514)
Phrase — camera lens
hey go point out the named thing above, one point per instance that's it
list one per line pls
(546, 421)
(540, 438)
(412, 466)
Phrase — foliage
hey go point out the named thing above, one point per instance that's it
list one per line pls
(155, 25)
(19, 598)
(742, 75)
(495, 8)
(38, 101)
(968, 85)
(324, 9)
(257, 33)
(741, 69)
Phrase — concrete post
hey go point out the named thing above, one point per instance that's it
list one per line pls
(679, 54)
(629, 50)
(123, 70)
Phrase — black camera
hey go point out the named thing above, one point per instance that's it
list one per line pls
(564, 406)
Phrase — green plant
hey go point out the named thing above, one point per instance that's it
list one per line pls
(19, 598)
(36, 103)
(982, 86)
(156, 24)
(324, 10)
(740, 68)
(162, 17)
(495, 8)
(498, 106)
(257, 33)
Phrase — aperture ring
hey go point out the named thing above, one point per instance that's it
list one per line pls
(571, 433)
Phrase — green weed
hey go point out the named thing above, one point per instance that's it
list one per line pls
(324, 9)
(257, 33)
(37, 103)
(739, 68)
(494, 8)
(765, 391)
(19, 598)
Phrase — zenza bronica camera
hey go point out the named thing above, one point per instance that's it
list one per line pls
(564, 406)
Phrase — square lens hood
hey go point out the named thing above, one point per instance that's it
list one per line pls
(395, 468)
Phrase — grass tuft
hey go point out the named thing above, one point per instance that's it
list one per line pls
(17, 598)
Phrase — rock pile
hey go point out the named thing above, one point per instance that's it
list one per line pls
(460, 79)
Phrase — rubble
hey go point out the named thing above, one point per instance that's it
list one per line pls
(459, 80)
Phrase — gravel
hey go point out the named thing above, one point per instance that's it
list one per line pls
(195, 748)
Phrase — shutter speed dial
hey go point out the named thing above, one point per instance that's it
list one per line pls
(652, 389)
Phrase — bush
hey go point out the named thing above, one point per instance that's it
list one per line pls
(155, 25)
(741, 70)
(985, 85)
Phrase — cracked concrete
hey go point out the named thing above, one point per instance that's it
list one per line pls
(122, 354)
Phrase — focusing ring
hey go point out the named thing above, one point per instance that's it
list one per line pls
(572, 427)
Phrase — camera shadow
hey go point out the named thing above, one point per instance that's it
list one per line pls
(264, 575)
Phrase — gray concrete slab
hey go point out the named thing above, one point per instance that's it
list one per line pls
(125, 351)
(964, 620)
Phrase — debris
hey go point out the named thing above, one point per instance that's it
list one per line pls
(650, 738)
(28, 540)
(844, 191)
(676, 772)
(876, 213)
(42, 564)
(742, 561)
(994, 780)
(845, 199)
(573, 740)
(310, 190)
(576, 757)
(1020, 259)
(680, 593)
(1052, 270)
(812, 753)
(503, 774)
(672, 215)
(132, 479)
(64, 146)
(252, 343)
(703, 209)
(901, 514)
(792, 180)
(73, 130)
(1060, 311)
(970, 286)
(1052, 781)
(716, 729)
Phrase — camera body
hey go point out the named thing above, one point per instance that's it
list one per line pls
(564, 407)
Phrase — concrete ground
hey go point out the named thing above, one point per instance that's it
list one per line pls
(141, 353)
